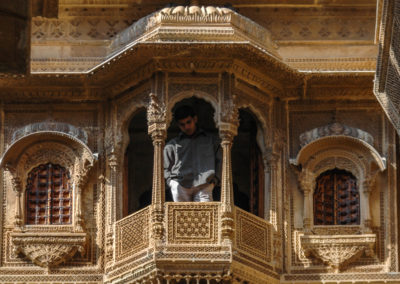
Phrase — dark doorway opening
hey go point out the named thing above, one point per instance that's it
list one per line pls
(138, 165)
(247, 166)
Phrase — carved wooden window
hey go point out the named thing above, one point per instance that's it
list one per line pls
(48, 196)
(336, 199)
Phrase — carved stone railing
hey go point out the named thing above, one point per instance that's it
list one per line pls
(338, 251)
(193, 247)
(253, 237)
(132, 234)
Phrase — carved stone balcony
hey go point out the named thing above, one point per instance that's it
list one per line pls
(48, 249)
(338, 251)
(192, 248)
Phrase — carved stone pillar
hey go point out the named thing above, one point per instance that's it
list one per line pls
(157, 128)
(228, 130)
(228, 127)
(17, 188)
(306, 182)
(364, 205)
(111, 206)
(272, 160)
(79, 220)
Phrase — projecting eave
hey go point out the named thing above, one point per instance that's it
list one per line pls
(187, 25)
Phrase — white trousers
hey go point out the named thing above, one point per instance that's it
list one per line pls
(200, 193)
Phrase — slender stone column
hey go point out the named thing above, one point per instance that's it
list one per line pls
(228, 127)
(364, 205)
(17, 188)
(158, 135)
(111, 206)
(307, 183)
(227, 132)
(307, 220)
(79, 220)
(272, 163)
(157, 128)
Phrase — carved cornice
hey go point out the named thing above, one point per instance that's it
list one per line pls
(48, 249)
(335, 64)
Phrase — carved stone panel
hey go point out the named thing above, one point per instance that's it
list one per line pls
(192, 223)
(132, 234)
(253, 235)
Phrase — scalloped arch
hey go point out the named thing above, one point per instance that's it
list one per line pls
(346, 143)
(188, 94)
(13, 153)
(265, 130)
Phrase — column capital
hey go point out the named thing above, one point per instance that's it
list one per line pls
(157, 131)
(113, 161)
(156, 110)
(306, 181)
(271, 158)
(367, 185)
(17, 185)
(227, 131)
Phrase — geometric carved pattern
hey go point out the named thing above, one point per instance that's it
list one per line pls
(253, 235)
(132, 234)
(192, 223)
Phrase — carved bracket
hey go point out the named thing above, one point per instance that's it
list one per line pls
(338, 251)
(48, 249)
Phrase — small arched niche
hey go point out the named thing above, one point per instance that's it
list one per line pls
(247, 165)
(138, 165)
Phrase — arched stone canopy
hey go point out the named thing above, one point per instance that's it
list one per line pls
(43, 147)
(362, 151)
(55, 146)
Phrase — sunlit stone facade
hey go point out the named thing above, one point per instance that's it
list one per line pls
(308, 191)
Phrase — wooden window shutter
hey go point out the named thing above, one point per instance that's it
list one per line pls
(48, 196)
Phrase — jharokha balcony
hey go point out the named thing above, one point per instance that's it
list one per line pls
(194, 242)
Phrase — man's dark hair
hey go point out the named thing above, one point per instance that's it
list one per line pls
(184, 112)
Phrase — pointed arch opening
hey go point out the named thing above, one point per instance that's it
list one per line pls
(248, 166)
(138, 165)
(205, 113)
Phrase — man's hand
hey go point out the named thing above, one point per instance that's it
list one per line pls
(173, 184)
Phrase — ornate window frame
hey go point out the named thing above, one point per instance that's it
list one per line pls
(347, 148)
(48, 245)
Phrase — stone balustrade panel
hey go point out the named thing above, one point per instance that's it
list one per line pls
(132, 234)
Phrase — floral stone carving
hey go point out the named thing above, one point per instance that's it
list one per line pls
(48, 249)
(339, 250)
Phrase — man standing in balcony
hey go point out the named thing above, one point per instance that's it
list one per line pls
(191, 160)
